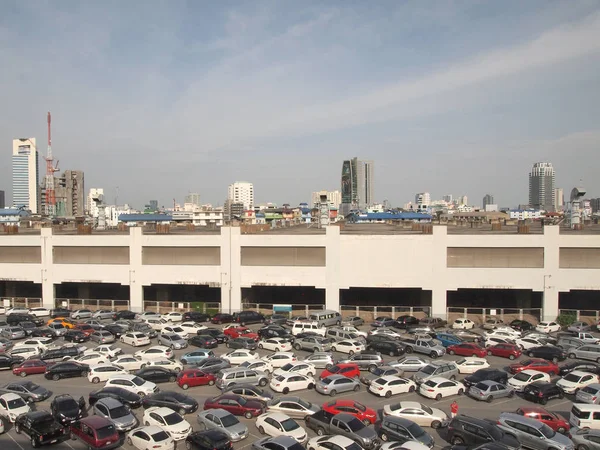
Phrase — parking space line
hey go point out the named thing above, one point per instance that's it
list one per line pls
(15, 441)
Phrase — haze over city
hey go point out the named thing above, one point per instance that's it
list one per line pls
(165, 98)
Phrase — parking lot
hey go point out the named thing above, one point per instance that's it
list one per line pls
(80, 386)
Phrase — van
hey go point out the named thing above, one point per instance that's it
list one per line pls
(303, 327)
(326, 318)
(247, 317)
(237, 375)
(585, 416)
(589, 352)
(96, 432)
(339, 334)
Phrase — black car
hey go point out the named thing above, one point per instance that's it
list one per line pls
(65, 409)
(157, 374)
(405, 322)
(203, 341)
(116, 330)
(177, 401)
(208, 440)
(242, 342)
(471, 432)
(387, 347)
(66, 369)
(41, 428)
(28, 327)
(60, 312)
(10, 362)
(213, 365)
(196, 317)
(380, 338)
(221, 318)
(143, 327)
(549, 353)
(276, 319)
(497, 375)
(126, 397)
(398, 429)
(541, 392)
(60, 354)
(589, 366)
(307, 334)
(76, 336)
(217, 334)
(246, 317)
(272, 331)
(16, 319)
(521, 325)
(43, 332)
(125, 314)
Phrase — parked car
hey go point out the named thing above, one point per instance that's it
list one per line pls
(548, 327)
(132, 383)
(438, 388)
(381, 371)
(213, 365)
(383, 321)
(392, 428)
(313, 343)
(589, 394)
(586, 438)
(497, 375)
(279, 319)
(356, 321)
(350, 370)
(410, 363)
(12, 406)
(153, 436)
(391, 385)
(76, 336)
(236, 405)
(196, 316)
(467, 349)
(541, 392)
(157, 374)
(178, 402)
(472, 432)
(125, 396)
(521, 325)
(194, 377)
(578, 327)
(278, 424)
(28, 390)
(81, 314)
(550, 353)
(525, 377)
(222, 318)
(224, 421)
(488, 390)
(31, 367)
(471, 365)
(540, 365)
(203, 341)
(555, 421)
(59, 312)
(335, 384)
(365, 360)
(418, 413)
(293, 406)
(533, 434)
(321, 360)
(463, 324)
(387, 347)
(116, 412)
(406, 321)
(216, 334)
(576, 380)
(66, 369)
(66, 410)
(172, 340)
(102, 337)
(40, 427)
(510, 351)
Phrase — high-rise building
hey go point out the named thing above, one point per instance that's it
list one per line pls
(334, 198)
(69, 190)
(423, 199)
(358, 181)
(559, 199)
(26, 175)
(541, 186)
(2, 201)
(242, 192)
(595, 205)
(91, 206)
(488, 199)
(447, 198)
(232, 209)
(193, 198)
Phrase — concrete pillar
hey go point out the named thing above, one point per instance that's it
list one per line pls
(439, 276)
(136, 290)
(231, 266)
(551, 272)
(332, 267)
(48, 291)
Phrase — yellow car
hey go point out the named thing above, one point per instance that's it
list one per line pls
(67, 323)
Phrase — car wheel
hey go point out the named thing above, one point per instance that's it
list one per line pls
(357, 388)
(328, 366)
(582, 447)
(95, 380)
(489, 353)
(141, 394)
(184, 387)
(297, 346)
(34, 443)
(56, 377)
(511, 357)
(260, 346)
(384, 437)
(184, 361)
(248, 415)
(543, 401)
(351, 352)
(333, 392)
(142, 366)
(129, 441)
(461, 391)
(320, 431)
(555, 360)
(263, 382)
(372, 367)
(561, 430)
(530, 354)
(261, 430)
(511, 394)
(23, 374)
(211, 382)
(453, 377)
(561, 395)
(172, 379)
(411, 389)
(451, 352)
(457, 441)
(438, 397)
(286, 390)
(388, 394)
(333, 349)
(489, 399)
(436, 424)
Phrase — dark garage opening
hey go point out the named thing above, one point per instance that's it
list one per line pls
(494, 298)
(360, 296)
(284, 295)
(579, 300)
(92, 291)
(21, 289)
(182, 293)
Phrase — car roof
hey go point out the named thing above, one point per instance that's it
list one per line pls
(110, 402)
(278, 416)
(10, 396)
(340, 402)
(96, 421)
(519, 418)
(533, 409)
(399, 420)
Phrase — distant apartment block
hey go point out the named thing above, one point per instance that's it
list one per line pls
(233, 210)
(69, 191)
(334, 198)
(559, 199)
(488, 199)
(91, 206)
(242, 192)
(193, 198)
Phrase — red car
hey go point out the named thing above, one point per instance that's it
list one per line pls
(236, 405)
(31, 367)
(509, 351)
(85, 328)
(367, 415)
(95, 432)
(349, 370)
(235, 332)
(555, 421)
(194, 377)
(467, 349)
(541, 365)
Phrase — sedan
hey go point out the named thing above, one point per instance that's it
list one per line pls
(168, 420)
(299, 367)
(391, 385)
(236, 405)
(289, 382)
(175, 329)
(92, 359)
(181, 403)
(128, 398)
(471, 365)
(13, 333)
(280, 359)
(31, 367)
(194, 377)
(540, 365)
(241, 342)
(356, 321)
(410, 363)
(110, 351)
(547, 327)
(155, 352)
(509, 351)
(576, 380)
(66, 369)
(172, 340)
(586, 439)
(320, 360)
(417, 412)
(173, 317)
(348, 346)
(276, 345)
(236, 357)
(380, 371)
(383, 321)
(438, 388)
(203, 341)
(29, 391)
(135, 339)
(578, 327)
(153, 437)
(165, 364)
(521, 325)
(116, 412)
(589, 394)
(102, 337)
(463, 324)
(39, 312)
(526, 377)
(157, 374)
(488, 390)
(216, 334)
(295, 407)
(248, 391)
(333, 384)
(367, 415)
(328, 442)
(213, 365)
(278, 424)
(258, 364)
(129, 362)
(133, 384)
(192, 328)
(103, 314)
(467, 349)
(224, 421)
(196, 356)
(555, 421)
(550, 353)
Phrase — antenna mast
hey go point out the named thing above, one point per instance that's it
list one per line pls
(50, 169)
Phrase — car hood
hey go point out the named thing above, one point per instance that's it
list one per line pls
(70, 412)
(125, 421)
(367, 433)
(40, 390)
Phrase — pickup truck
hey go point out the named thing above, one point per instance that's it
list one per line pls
(323, 422)
(422, 344)
(586, 338)
(41, 428)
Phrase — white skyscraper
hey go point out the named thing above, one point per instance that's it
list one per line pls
(242, 192)
(26, 175)
(541, 186)
(90, 205)
(334, 198)
(559, 199)
(423, 199)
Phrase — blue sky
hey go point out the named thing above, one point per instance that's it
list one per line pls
(161, 98)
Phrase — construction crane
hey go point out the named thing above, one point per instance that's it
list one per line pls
(50, 169)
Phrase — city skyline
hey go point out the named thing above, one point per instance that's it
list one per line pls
(281, 95)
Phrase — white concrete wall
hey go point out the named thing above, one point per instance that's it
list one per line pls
(399, 261)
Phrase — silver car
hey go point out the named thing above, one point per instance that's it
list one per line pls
(224, 421)
(103, 314)
(14, 333)
(58, 329)
(589, 394)
(321, 360)
(488, 390)
(381, 371)
(292, 406)
(172, 340)
(590, 352)
(5, 344)
(334, 384)
(410, 363)
(119, 414)
(102, 337)
(313, 344)
(586, 438)
(81, 314)
(533, 434)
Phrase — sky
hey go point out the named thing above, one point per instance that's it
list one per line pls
(154, 99)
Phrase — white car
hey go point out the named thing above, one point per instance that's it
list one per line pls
(525, 378)
(417, 412)
(173, 317)
(17, 310)
(408, 445)
(576, 380)
(165, 363)
(12, 406)
(156, 323)
(150, 438)
(103, 372)
(386, 331)
(501, 334)
(168, 420)
(132, 383)
(493, 340)
(391, 385)
(300, 367)
(279, 424)
(129, 362)
(328, 442)
(135, 338)
(109, 350)
(276, 345)
(439, 387)
(509, 330)
(155, 352)
(525, 343)
(39, 312)
(470, 365)
(176, 329)
(147, 315)
(351, 329)
(192, 328)
(547, 327)
(40, 342)
(92, 358)
(463, 324)
(280, 359)
(258, 364)
(239, 356)
(26, 351)
(288, 382)
(347, 346)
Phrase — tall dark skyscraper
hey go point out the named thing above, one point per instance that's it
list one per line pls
(357, 184)
(488, 200)
(2, 202)
(541, 186)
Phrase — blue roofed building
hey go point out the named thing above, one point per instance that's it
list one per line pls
(387, 217)
(12, 216)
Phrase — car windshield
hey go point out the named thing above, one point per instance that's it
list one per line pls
(105, 432)
(119, 411)
(287, 367)
(415, 430)
(590, 390)
(353, 446)
(355, 425)
(229, 420)
(428, 370)
(335, 369)
(481, 386)
(30, 386)
(289, 425)
(176, 337)
(173, 419)
(572, 378)
(522, 376)
(547, 431)
(430, 383)
(298, 446)
(304, 403)
(16, 403)
(138, 381)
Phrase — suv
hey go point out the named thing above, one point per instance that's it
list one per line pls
(234, 375)
(497, 375)
(195, 316)
(313, 343)
(96, 432)
(387, 347)
(542, 391)
(365, 360)
(339, 334)
(61, 354)
(16, 319)
(244, 317)
(444, 369)
(532, 433)
(272, 331)
(470, 432)
(406, 321)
